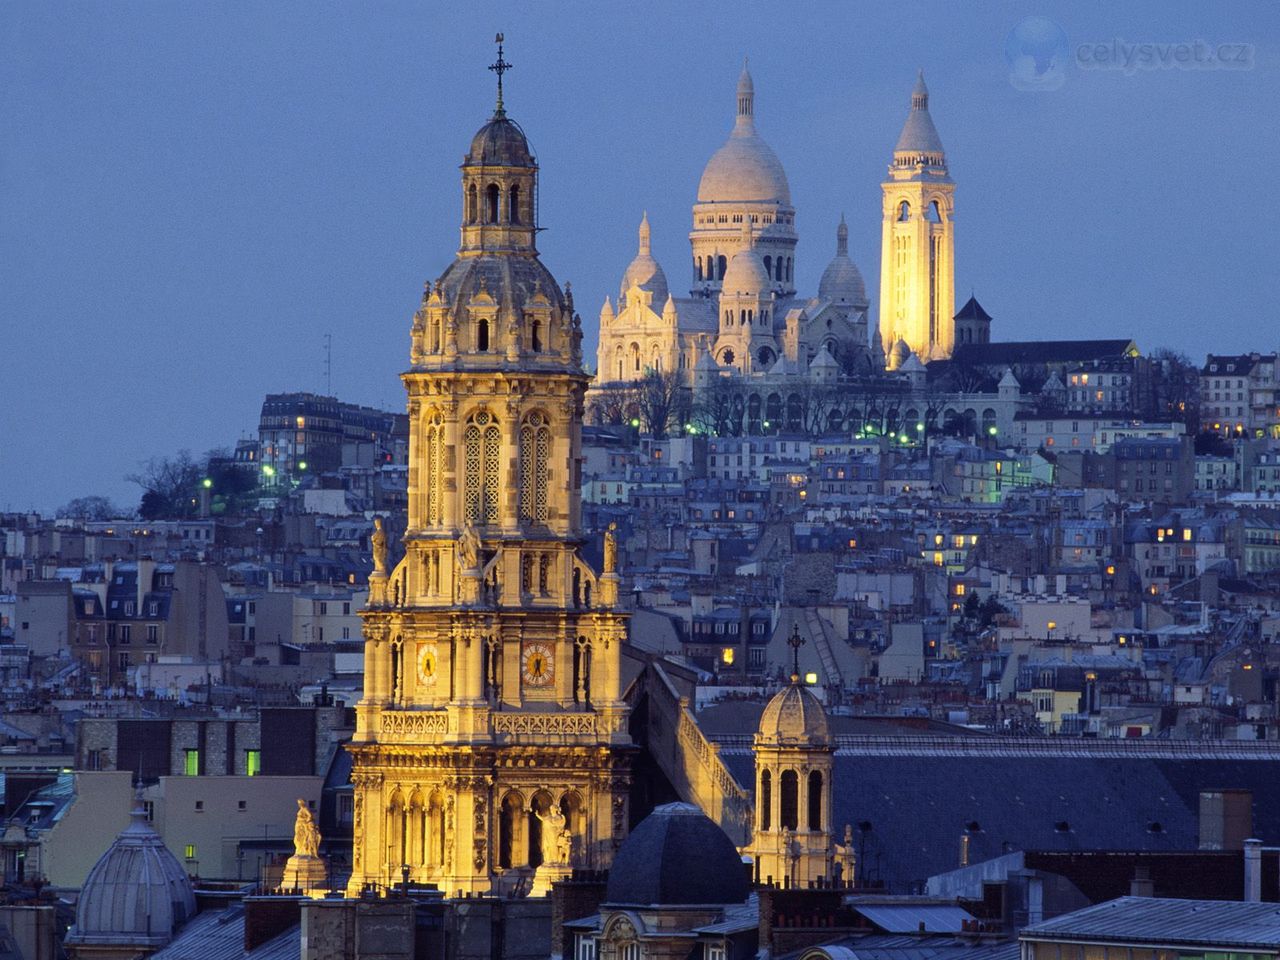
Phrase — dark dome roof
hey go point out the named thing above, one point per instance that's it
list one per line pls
(500, 142)
(677, 855)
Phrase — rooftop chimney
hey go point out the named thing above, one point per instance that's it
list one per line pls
(1141, 885)
(1226, 819)
(1253, 870)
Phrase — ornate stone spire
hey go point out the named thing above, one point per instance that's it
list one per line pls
(842, 238)
(644, 235)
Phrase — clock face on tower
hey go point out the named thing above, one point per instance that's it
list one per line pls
(537, 664)
(427, 664)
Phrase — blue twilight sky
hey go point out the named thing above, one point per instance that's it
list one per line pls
(194, 194)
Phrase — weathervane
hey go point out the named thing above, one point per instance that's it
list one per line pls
(795, 642)
(499, 67)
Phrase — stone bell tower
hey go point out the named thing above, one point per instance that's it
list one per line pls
(791, 836)
(491, 737)
(917, 251)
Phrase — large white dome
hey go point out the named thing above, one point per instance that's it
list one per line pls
(745, 169)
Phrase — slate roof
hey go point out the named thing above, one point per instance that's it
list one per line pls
(918, 802)
(219, 935)
(972, 310)
(903, 947)
(1039, 351)
(1222, 923)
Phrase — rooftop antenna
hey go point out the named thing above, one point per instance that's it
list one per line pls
(499, 66)
(328, 364)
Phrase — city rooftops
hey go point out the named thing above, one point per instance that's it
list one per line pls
(1217, 923)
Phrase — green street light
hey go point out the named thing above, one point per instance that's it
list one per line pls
(991, 430)
(302, 464)
(268, 470)
(919, 428)
(635, 421)
(207, 482)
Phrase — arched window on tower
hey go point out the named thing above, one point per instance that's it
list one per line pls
(635, 357)
(493, 197)
(788, 813)
(697, 269)
(482, 481)
(778, 269)
(535, 336)
(433, 482)
(932, 213)
(535, 454)
(768, 265)
(473, 205)
(513, 203)
(766, 799)
(482, 334)
(904, 212)
(722, 264)
(815, 800)
(789, 277)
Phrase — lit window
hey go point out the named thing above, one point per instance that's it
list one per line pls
(189, 851)
(1053, 624)
(191, 763)
(959, 589)
(726, 656)
(1186, 533)
(252, 763)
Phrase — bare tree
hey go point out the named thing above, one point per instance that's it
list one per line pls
(610, 404)
(662, 402)
(92, 508)
(720, 407)
(170, 485)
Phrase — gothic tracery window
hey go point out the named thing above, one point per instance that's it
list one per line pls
(535, 455)
(482, 482)
(433, 481)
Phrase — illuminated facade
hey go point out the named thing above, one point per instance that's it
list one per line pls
(492, 650)
(917, 252)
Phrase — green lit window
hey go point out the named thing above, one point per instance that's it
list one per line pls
(189, 851)
(191, 763)
(252, 763)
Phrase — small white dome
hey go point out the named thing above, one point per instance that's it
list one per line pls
(745, 169)
(842, 280)
(745, 274)
(645, 271)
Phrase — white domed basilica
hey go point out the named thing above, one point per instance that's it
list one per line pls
(743, 317)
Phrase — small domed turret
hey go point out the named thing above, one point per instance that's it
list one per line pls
(746, 273)
(794, 717)
(645, 271)
(842, 280)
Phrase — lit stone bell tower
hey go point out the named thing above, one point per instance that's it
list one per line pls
(917, 251)
(491, 737)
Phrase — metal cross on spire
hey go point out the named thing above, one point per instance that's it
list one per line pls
(500, 66)
(795, 642)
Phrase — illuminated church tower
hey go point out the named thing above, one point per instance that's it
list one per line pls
(917, 266)
(491, 736)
